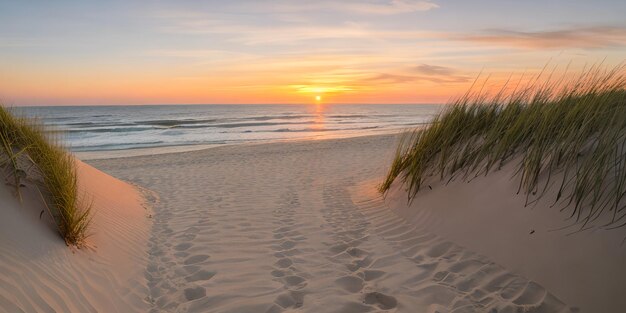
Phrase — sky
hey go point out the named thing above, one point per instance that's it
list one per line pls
(279, 51)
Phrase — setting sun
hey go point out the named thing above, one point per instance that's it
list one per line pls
(318, 98)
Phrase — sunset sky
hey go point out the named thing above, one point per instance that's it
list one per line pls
(385, 51)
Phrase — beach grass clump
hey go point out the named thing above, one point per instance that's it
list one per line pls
(26, 139)
(568, 134)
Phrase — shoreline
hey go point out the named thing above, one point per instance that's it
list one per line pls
(141, 130)
(135, 152)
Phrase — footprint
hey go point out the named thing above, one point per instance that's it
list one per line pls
(288, 245)
(152, 267)
(291, 299)
(441, 275)
(156, 252)
(196, 259)
(356, 265)
(372, 274)
(383, 301)
(183, 246)
(356, 252)
(351, 284)
(200, 275)
(194, 293)
(181, 254)
(277, 273)
(293, 280)
(284, 262)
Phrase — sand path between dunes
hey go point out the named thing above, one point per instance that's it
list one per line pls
(298, 227)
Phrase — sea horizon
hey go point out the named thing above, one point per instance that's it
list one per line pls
(220, 104)
(93, 128)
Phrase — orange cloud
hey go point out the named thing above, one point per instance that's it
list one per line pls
(587, 38)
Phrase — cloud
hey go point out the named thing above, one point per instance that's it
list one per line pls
(251, 34)
(188, 53)
(423, 72)
(434, 70)
(267, 22)
(387, 7)
(386, 78)
(586, 38)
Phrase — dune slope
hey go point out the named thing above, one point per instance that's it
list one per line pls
(39, 273)
(585, 268)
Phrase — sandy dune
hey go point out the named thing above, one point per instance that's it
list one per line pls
(584, 267)
(39, 273)
(299, 227)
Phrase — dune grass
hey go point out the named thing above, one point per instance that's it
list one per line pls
(570, 128)
(25, 138)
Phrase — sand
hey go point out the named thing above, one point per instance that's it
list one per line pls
(39, 273)
(298, 226)
(584, 267)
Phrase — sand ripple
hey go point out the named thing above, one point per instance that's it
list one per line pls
(297, 227)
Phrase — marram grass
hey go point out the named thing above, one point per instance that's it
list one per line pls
(23, 137)
(568, 134)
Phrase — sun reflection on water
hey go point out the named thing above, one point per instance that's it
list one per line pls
(318, 119)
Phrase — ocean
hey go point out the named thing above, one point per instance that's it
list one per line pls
(108, 128)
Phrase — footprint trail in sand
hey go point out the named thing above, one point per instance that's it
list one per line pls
(298, 227)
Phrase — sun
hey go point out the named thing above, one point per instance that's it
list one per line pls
(318, 98)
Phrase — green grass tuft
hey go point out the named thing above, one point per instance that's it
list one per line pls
(573, 127)
(56, 168)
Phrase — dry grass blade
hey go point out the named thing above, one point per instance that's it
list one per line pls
(574, 127)
(57, 170)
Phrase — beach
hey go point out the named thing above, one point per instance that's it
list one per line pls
(300, 226)
(278, 156)
(286, 226)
